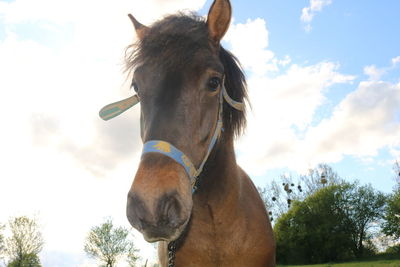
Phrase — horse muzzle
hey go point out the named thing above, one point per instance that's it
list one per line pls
(165, 223)
(159, 203)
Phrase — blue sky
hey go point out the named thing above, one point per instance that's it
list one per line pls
(324, 83)
(345, 31)
(353, 34)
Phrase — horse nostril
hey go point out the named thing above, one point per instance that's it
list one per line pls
(170, 210)
(135, 211)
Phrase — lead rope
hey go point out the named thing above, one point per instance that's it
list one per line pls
(171, 253)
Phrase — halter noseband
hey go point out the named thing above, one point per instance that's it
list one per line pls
(158, 146)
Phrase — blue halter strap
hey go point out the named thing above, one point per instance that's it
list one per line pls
(167, 149)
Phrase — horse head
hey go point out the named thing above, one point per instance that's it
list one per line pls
(184, 80)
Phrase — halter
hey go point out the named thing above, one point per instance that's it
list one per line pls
(162, 147)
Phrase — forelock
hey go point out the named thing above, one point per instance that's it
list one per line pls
(171, 42)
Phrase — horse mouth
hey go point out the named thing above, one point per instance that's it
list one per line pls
(156, 234)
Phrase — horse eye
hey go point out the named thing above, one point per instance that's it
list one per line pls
(214, 83)
(135, 87)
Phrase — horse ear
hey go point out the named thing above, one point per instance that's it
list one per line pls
(140, 28)
(219, 18)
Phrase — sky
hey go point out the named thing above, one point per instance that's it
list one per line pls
(324, 85)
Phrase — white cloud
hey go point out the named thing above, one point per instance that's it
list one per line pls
(395, 61)
(279, 104)
(308, 13)
(253, 55)
(92, 11)
(376, 73)
(373, 72)
(284, 62)
(362, 123)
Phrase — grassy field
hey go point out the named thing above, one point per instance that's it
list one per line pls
(374, 263)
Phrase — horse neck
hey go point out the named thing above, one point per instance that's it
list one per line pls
(220, 180)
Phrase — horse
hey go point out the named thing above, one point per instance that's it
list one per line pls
(189, 194)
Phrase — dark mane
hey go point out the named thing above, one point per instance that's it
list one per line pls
(171, 43)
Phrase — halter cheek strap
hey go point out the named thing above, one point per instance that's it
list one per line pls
(158, 146)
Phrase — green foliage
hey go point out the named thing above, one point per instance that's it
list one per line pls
(394, 250)
(25, 242)
(132, 256)
(313, 230)
(331, 224)
(391, 225)
(366, 206)
(28, 260)
(108, 244)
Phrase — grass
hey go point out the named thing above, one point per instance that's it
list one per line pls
(372, 263)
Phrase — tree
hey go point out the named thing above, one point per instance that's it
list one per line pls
(331, 224)
(365, 208)
(278, 196)
(318, 178)
(2, 247)
(391, 225)
(109, 244)
(25, 242)
(132, 256)
(29, 260)
(396, 169)
(314, 230)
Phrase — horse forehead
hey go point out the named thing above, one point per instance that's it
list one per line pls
(180, 52)
(175, 58)
(163, 73)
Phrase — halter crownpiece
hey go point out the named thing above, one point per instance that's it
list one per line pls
(158, 146)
